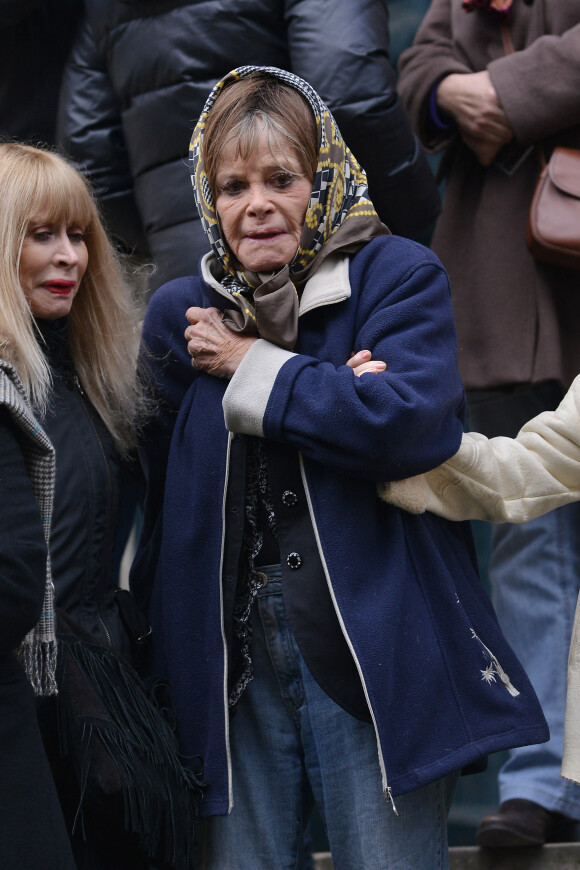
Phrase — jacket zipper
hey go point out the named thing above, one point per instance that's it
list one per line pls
(84, 398)
(223, 631)
(387, 792)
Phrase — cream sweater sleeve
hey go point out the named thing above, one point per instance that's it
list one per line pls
(503, 479)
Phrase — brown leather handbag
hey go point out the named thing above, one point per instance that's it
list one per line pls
(553, 230)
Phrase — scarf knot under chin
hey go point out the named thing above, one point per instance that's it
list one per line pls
(271, 311)
(340, 217)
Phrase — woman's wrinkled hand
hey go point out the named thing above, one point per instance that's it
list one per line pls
(362, 362)
(472, 101)
(213, 347)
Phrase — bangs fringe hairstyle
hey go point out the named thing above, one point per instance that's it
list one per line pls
(287, 119)
(104, 325)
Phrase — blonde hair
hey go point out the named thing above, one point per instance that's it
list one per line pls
(104, 325)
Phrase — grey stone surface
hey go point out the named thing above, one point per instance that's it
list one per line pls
(556, 856)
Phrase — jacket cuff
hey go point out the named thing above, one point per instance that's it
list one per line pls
(247, 395)
(411, 494)
(513, 93)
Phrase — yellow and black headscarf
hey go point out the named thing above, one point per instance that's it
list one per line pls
(340, 216)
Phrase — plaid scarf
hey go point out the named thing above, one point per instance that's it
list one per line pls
(37, 652)
(340, 216)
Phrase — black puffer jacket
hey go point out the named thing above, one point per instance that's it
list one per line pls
(35, 40)
(140, 73)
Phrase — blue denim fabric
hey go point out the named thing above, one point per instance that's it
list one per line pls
(535, 576)
(291, 746)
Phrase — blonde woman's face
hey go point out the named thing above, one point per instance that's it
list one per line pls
(53, 261)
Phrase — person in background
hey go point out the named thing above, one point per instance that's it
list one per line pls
(69, 334)
(139, 74)
(512, 480)
(305, 626)
(490, 109)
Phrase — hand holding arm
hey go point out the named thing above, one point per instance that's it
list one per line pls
(472, 101)
(362, 362)
(371, 426)
(212, 346)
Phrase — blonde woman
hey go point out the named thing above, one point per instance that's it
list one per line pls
(69, 339)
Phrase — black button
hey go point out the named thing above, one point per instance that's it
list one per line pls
(289, 498)
(294, 560)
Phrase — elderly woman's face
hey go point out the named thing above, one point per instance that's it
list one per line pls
(53, 261)
(261, 206)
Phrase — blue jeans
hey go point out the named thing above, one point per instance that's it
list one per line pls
(535, 575)
(291, 746)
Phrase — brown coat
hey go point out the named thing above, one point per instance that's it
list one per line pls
(518, 321)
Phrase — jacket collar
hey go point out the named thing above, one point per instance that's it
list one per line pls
(328, 285)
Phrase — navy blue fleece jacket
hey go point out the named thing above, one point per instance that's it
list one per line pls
(443, 686)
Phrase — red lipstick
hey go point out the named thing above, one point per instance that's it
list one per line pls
(60, 287)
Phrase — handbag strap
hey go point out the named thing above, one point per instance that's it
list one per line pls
(506, 37)
(508, 47)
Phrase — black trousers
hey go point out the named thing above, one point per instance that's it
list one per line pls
(33, 835)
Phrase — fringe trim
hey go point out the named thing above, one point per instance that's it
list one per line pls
(38, 658)
(160, 794)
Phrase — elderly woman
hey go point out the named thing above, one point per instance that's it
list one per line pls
(322, 645)
(69, 395)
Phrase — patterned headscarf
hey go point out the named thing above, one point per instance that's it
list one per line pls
(340, 216)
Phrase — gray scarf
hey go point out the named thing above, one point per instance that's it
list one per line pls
(37, 652)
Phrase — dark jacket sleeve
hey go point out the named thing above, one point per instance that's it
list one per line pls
(345, 57)
(12, 11)
(22, 545)
(89, 130)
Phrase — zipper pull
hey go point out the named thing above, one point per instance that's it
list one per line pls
(389, 799)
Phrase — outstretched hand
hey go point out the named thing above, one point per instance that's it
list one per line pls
(213, 347)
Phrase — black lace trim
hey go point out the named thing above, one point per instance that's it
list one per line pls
(257, 493)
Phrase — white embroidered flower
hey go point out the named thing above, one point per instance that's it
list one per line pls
(489, 674)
